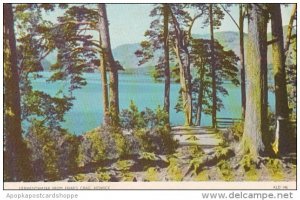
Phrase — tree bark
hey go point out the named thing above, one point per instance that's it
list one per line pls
(256, 57)
(16, 158)
(289, 32)
(183, 57)
(200, 97)
(110, 63)
(166, 61)
(104, 84)
(281, 101)
(213, 70)
(242, 58)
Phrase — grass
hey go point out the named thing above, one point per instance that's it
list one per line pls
(252, 175)
(174, 172)
(80, 177)
(104, 176)
(151, 174)
(275, 169)
(202, 176)
(225, 170)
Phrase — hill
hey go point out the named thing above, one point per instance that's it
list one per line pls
(125, 53)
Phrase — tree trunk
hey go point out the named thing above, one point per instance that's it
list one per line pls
(200, 97)
(102, 68)
(16, 163)
(281, 101)
(289, 32)
(110, 63)
(213, 70)
(183, 57)
(166, 61)
(242, 58)
(256, 58)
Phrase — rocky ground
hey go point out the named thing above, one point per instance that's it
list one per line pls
(202, 155)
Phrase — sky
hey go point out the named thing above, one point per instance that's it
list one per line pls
(128, 22)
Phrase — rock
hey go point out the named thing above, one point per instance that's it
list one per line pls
(93, 179)
(71, 179)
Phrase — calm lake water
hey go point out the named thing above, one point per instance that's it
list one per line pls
(87, 111)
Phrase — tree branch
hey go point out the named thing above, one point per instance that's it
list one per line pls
(290, 28)
(192, 23)
(272, 41)
(230, 16)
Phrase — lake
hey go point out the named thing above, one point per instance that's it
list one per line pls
(87, 112)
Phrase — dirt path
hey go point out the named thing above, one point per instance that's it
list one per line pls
(204, 137)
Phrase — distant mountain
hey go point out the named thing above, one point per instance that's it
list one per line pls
(125, 53)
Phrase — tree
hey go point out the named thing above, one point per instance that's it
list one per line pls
(108, 60)
(16, 163)
(80, 53)
(281, 101)
(202, 88)
(213, 68)
(42, 113)
(166, 60)
(290, 28)
(214, 16)
(290, 49)
(242, 59)
(103, 72)
(255, 121)
(240, 26)
(181, 41)
(158, 44)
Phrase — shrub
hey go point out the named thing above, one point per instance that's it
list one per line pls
(174, 171)
(104, 176)
(102, 143)
(275, 169)
(226, 170)
(237, 130)
(131, 118)
(249, 165)
(151, 174)
(53, 152)
(150, 129)
(123, 165)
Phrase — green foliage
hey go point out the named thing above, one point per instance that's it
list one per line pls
(202, 176)
(148, 156)
(174, 171)
(131, 118)
(127, 176)
(80, 177)
(249, 165)
(44, 151)
(53, 153)
(223, 152)
(51, 110)
(291, 76)
(227, 70)
(195, 164)
(149, 128)
(275, 169)
(123, 165)
(195, 151)
(192, 138)
(152, 174)
(237, 129)
(225, 170)
(102, 143)
(104, 176)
